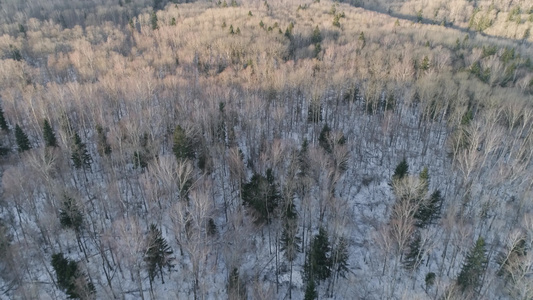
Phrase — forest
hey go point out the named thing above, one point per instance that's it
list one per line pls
(266, 149)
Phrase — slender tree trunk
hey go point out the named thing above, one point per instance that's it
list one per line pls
(139, 282)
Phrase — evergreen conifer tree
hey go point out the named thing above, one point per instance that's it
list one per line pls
(413, 258)
(80, 156)
(429, 211)
(69, 278)
(430, 280)
(211, 227)
(236, 289)
(310, 291)
(290, 242)
(3, 123)
(402, 170)
(23, 142)
(473, 268)
(153, 21)
(340, 257)
(424, 180)
(303, 159)
(318, 264)
(323, 139)
(362, 39)
(262, 195)
(158, 254)
(316, 38)
(70, 215)
(49, 135)
(182, 146)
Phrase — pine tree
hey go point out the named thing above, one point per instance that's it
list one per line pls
(15, 53)
(80, 156)
(425, 64)
(4, 151)
(23, 142)
(70, 279)
(158, 254)
(323, 139)
(70, 215)
(430, 211)
(473, 268)
(318, 49)
(182, 146)
(362, 39)
(318, 264)
(236, 288)
(310, 290)
(49, 135)
(153, 21)
(402, 170)
(424, 180)
(211, 227)
(340, 257)
(290, 242)
(262, 195)
(430, 280)
(3, 123)
(336, 21)
(316, 38)
(413, 258)
(303, 158)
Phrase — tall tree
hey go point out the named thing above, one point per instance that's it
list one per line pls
(340, 258)
(401, 170)
(49, 135)
(70, 215)
(323, 139)
(424, 181)
(158, 254)
(290, 240)
(23, 142)
(413, 257)
(153, 20)
(317, 36)
(182, 147)
(80, 156)
(310, 291)
(469, 278)
(236, 288)
(3, 123)
(70, 278)
(262, 195)
(318, 263)
(429, 210)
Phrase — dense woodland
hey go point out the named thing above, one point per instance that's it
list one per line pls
(243, 149)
